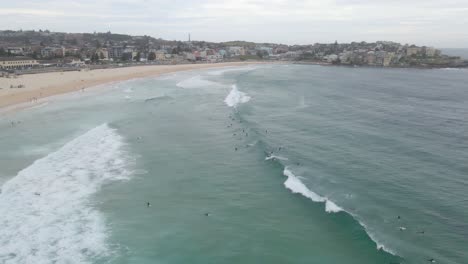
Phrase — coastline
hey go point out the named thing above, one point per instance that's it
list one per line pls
(43, 85)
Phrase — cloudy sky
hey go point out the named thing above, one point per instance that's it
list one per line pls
(423, 22)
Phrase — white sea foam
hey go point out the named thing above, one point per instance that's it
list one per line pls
(294, 184)
(275, 157)
(195, 82)
(224, 70)
(236, 97)
(46, 210)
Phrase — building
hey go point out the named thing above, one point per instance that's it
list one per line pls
(115, 52)
(17, 62)
(160, 55)
(388, 59)
(430, 52)
(52, 52)
(15, 51)
(103, 53)
(236, 51)
(412, 51)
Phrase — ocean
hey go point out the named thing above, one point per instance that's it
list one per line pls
(257, 164)
(458, 52)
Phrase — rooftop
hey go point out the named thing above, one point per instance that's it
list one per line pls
(15, 58)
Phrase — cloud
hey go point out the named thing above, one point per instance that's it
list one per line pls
(429, 22)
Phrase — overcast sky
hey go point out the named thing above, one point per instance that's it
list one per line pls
(423, 22)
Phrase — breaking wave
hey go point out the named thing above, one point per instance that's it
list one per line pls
(230, 69)
(195, 82)
(46, 209)
(294, 184)
(236, 97)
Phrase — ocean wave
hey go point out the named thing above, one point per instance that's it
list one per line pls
(46, 211)
(274, 157)
(295, 185)
(224, 70)
(236, 97)
(195, 82)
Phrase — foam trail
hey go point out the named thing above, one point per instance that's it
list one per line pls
(195, 82)
(236, 97)
(46, 211)
(273, 157)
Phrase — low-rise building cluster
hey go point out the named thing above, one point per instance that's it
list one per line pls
(78, 49)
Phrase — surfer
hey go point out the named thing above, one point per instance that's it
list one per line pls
(431, 260)
(207, 214)
(148, 204)
(402, 228)
(421, 232)
(398, 217)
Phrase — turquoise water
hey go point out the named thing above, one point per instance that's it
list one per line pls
(258, 164)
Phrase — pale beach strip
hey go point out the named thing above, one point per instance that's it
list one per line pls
(43, 85)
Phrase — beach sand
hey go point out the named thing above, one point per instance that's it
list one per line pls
(37, 86)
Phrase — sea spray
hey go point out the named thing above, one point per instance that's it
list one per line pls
(236, 97)
(46, 211)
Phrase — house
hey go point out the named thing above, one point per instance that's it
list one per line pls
(76, 63)
(17, 62)
(430, 52)
(15, 51)
(413, 51)
(236, 51)
(160, 55)
(103, 53)
(52, 52)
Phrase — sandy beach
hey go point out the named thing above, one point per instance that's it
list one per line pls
(37, 86)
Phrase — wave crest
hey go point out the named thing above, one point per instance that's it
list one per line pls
(236, 97)
(46, 211)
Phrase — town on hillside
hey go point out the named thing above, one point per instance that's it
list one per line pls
(39, 51)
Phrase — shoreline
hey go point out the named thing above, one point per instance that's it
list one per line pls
(43, 85)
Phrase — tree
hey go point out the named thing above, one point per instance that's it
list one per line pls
(2, 52)
(138, 56)
(260, 54)
(152, 56)
(101, 55)
(95, 57)
(127, 56)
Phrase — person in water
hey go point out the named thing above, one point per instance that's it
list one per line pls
(148, 204)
